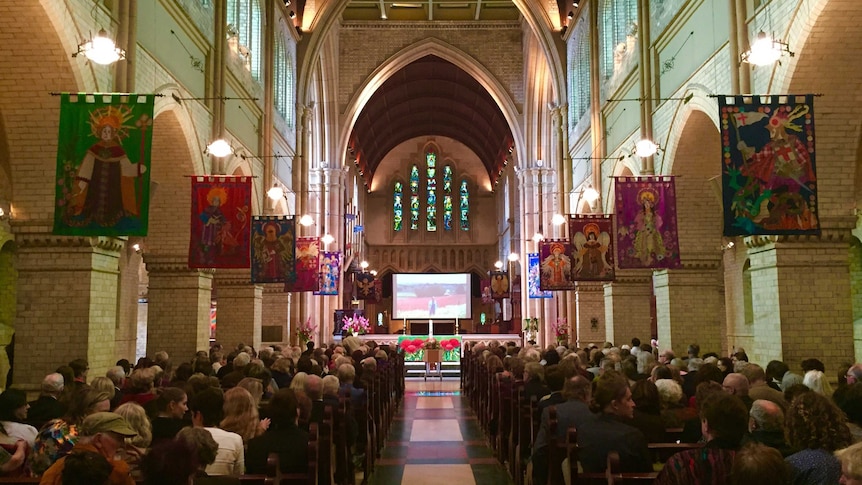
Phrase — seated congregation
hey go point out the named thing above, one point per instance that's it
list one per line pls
(633, 415)
(273, 415)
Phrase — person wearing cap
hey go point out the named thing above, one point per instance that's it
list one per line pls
(103, 433)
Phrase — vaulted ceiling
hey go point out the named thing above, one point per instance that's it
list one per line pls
(430, 97)
(431, 10)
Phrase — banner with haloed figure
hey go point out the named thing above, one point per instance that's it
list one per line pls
(592, 239)
(220, 222)
(272, 249)
(555, 265)
(533, 290)
(103, 165)
(769, 185)
(330, 273)
(307, 257)
(646, 222)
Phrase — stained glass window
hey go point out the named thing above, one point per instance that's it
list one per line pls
(414, 198)
(397, 206)
(465, 206)
(447, 198)
(431, 202)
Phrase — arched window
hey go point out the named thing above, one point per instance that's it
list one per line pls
(579, 72)
(465, 206)
(619, 30)
(447, 198)
(414, 197)
(430, 188)
(245, 28)
(283, 81)
(431, 194)
(397, 206)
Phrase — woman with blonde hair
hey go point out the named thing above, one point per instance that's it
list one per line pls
(254, 387)
(103, 384)
(298, 381)
(241, 415)
(135, 415)
(816, 381)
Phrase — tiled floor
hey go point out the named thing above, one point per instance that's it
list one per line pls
(436, 439)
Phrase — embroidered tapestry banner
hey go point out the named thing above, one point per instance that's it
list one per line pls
(592, 239)
(307, 266)
(103, 165)
(533, 290)
(499, 285)
(555, 264)
(272, 249)
(768, 176)
(220, 222)
(646, 223)
(330, 273)
(365, 286)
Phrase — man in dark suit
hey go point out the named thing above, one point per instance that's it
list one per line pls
(48, 406)
(572, 413)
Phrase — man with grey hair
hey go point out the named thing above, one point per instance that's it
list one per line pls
(240, 362)
(47, 406)
(766, 426)
(117, 375)
(854, 374)
(689, 380)
(314, 390)
(758, 388)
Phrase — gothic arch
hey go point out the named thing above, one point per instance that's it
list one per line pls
(444, 51)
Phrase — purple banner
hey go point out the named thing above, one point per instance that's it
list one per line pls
(594, 252)
(646, 223)
(555, 263)
(330, 273)
(272, 247)
(307, 265)
(533, 289)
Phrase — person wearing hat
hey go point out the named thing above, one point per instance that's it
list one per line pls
(103, 433)
(13, 413)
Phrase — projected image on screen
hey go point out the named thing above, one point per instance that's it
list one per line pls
(431, 296)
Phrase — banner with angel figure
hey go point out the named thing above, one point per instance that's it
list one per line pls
(272, 249)
(499, 285)
(594, 253)
(103, 161)
(330, 273)
(307, 265)
(646, 222)
(555, 264)
(768, 176)
(220, 222)
(533, 290)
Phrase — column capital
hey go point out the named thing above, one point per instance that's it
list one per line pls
(157, 263)
(30, 237)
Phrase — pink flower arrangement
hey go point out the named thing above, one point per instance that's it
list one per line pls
(356, 325)
(306, 331)
(561, 330)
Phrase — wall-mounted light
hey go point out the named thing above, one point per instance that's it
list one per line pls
(327, 238)
(219, 148)
(646, 148)
(306, 220)
(498, 264)
(558, 219)
(765, 50)
(364, 265)
(513, 257)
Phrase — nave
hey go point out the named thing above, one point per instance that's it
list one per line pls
(436, 439)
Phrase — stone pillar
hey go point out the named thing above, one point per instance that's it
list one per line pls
(275, 309)
(178, 307)
(589, 306)
(801, 298)
(127, 318)
(240, 304)
(67, 304)
(627, 306)
(690, 307)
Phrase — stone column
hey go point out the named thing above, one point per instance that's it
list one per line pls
(627, 306)
(127, 319)
(240, 304)
(67, 303)
(690, 306)
(178, 307)
(801, 298)
(589, 306)
(275, 308)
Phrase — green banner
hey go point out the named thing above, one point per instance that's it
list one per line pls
(103, 165)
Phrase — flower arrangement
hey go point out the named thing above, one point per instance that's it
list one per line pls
(561, 330)
(355, 325)
(432, 344)
(306, 331)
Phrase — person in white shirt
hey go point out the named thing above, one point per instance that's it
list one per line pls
(13, 413)
(206, 407)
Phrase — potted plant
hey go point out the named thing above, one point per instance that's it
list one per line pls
(355, 325)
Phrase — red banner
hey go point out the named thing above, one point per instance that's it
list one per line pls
(307, 265)
(220, 230)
